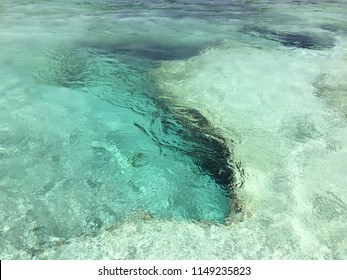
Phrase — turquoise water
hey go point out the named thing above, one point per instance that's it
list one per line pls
(173, 130)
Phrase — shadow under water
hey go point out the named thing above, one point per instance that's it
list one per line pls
(302, 40)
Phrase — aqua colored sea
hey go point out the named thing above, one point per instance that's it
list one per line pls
(173, 129)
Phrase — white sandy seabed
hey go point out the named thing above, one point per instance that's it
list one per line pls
(288, 129)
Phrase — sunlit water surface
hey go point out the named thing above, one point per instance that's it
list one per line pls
(173, 129)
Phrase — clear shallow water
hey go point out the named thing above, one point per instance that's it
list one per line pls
(124, 126)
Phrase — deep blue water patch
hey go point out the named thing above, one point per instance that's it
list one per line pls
(153, 51)
(294, 39)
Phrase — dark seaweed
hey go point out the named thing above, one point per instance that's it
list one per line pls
(199, 140)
